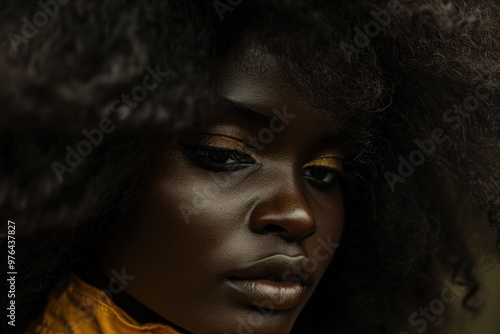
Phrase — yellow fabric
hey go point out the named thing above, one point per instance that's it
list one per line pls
(76, 307)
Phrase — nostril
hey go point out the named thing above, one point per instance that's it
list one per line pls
(271, 228)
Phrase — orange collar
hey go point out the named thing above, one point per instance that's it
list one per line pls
(77, 307)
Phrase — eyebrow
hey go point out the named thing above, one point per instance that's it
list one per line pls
(227, 106)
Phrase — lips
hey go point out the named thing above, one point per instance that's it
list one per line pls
(276, 282)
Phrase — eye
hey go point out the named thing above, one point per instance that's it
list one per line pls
(321, 176)
(217, 159)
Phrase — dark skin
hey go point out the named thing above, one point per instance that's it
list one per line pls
(219, 202)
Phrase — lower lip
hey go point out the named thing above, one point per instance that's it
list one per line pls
(270, 294)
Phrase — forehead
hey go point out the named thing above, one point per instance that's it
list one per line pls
(254, 77)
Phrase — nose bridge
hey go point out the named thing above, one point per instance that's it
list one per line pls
(284, 209)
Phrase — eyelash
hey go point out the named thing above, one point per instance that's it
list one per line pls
(201, 157)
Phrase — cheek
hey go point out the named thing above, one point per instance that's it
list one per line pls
(329, 211)
(329, 217)
(184, 223)
(199, 214)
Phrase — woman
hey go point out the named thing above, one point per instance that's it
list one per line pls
(194, 167)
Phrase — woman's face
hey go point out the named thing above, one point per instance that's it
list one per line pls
(234, 227)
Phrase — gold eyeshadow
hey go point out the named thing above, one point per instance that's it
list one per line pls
(218, 141)
(326, 161)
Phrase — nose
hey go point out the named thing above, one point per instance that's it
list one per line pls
(284, 212)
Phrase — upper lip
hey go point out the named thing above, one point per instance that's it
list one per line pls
(278, 267)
